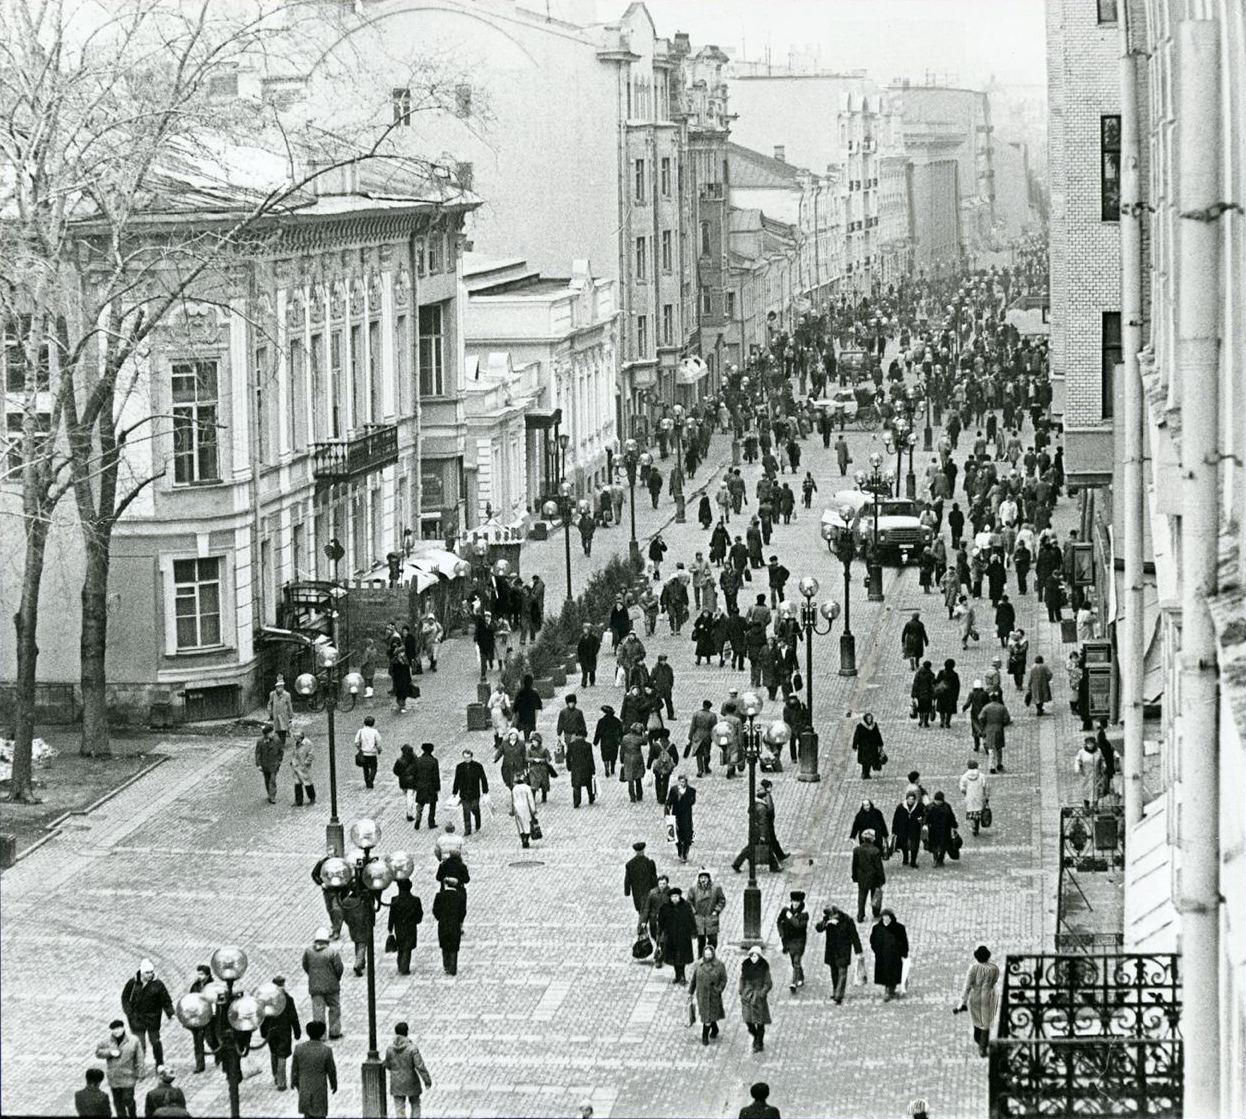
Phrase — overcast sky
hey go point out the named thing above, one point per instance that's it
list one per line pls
(967, 40)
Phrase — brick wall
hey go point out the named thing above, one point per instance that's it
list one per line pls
(1083, 85)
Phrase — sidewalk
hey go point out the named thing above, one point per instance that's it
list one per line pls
(548, 1008)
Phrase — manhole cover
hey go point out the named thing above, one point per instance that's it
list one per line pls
(526, 863)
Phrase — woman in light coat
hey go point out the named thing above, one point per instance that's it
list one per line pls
(524, 804)
(706, 986)
(979, 997)
(301, 760)
(1091, 766)
(540, 766)
(968, 621)
(973, 787)
(755, 987)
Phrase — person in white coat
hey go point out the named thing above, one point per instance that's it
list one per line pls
(973, 787)
(1090, 765)
(524, 803)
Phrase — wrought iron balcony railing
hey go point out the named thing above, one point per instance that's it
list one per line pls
(340, 460)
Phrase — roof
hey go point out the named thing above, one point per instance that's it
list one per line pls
(743, 221)
(767, 171)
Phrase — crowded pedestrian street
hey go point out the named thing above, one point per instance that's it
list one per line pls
(549, 1009)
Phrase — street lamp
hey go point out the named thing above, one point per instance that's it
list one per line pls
(234, 1016)
(910, 479)
(564, 441)
(927, 431)
(676, 420)
(307, 684)
(844, 547)
(631, 456)
(776, 736)
(561, 507)
(809, 612)
(368, 876)
(875, 480)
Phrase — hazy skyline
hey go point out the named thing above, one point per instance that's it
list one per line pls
(966, 41)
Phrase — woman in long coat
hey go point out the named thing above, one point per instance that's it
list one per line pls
(923, 693)
(540, 767)
(1038, 687)
(705, 513)
(889, 942)
(720, 541)
(870, 818)
(632, 761)
(947, 692)
(755, 987)
(703, 636)
(405, 915)
(706, 986)
(951, 591)
(867, 744)
(524, 803)
(979, 997)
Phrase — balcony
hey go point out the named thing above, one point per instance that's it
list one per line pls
(711, 190)
(342, 460)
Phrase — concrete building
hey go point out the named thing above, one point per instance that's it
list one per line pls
(1148, 261)
(962, 115)
(314, 395)
(933, 176)
(764, 256)
(556, 339)
(842, 121)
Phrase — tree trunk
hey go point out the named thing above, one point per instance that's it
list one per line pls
(94, 643)
(26, 623)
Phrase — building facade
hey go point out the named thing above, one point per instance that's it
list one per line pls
(763, 277)
(316, 397)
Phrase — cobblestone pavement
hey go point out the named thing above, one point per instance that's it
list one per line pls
(548, 1008)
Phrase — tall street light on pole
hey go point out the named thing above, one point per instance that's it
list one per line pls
(875, 481)
(363, 877)
(228, 1017)
(910, 478)
(809, 611)
(676, 420)
(562, 507)
(631, 459)
(841, 544)
(325, 679)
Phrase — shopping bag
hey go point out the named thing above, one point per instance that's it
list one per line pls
(453, 800)
(858, 974)
(906, 969)
(391, 943)
(620, 677)
(953, 848)
(692, 1013)
(536, 832)
(669, 822)
(643, 948)
(486, 803)
(987, 816)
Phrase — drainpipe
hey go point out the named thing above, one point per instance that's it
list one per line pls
(413, 352)
(1133, 647)
(1198, 300)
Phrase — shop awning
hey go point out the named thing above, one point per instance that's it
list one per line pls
(436, 561)
(690, 371)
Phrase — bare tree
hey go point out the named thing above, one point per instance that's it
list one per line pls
(113, 117)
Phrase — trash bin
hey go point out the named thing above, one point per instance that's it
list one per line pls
(8, 850)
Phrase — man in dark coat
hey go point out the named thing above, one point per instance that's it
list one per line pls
(269, 751)
(760, 1108)
(571, 721)
(92, 1100)
(427, 783)
(793, 928)
(586, 650)
(313, 1073)
(913, 640)
(1005, 620)
(640, 875)
(165, 1094)
(581, 766)
(868, 874)
(663, 681)
(679, 802)
(940, 824)
(145, 1002)
(449, 911)
(470, 782)
(701, 737)
(405, 914)
(906, 827)
(678, 925)
(619, 622)
(280, 1031)
(842, 943)
(890, 944)
(608, 735)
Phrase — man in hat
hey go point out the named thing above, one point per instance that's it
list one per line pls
(123, 1064)
(268, 754)
(450, 911)
(868, 874)
(663, 681)
(678, 926)
(144, 999)
(793, 927)
(324, 970)
(608, 736)
(571, 722)
(281, 1031)
(586, 651)
(640, 875)
(280, 709)
(658, 897)
(766, 796)
(842, 943)
(581, 767)
(760, 1108)
(164, 1094)
(427, 774)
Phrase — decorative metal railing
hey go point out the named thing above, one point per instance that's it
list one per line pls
(340, 460)
(1088, 1035)
(1092, 838)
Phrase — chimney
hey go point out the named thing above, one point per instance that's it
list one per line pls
(780, 153)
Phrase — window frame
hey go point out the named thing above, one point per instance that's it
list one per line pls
(433, 366)
(642, 336)
(400, 106)
(1109, 181)
(640, 261)
(668, 255)
(664, 175)
(1111, 354)
(197, 584)
(1111, 7)
(198, 418)
(639, 190)
(668, 324)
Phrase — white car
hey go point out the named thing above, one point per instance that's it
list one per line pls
(842, 406)
(831, 515)
(900, 530)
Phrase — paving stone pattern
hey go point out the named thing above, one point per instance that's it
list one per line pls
(548, 1008)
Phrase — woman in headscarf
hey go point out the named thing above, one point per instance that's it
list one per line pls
(755, 986)
(867, 744)
(524, 805)
(706, 986)
(870, 818)
(889, 942)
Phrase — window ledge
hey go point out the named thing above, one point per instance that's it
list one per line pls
(189, 486)
(201, 650)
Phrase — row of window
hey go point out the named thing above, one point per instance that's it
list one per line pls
(640, 179)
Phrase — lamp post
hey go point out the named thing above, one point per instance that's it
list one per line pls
(875, 480)
(631, 457)
(894, 441)
(910, 479)
(927, 431)
(676, 421)
(326, 678)
(561, 507)
(232, 1015)
(842, 544)
(564, 440)
(809, 612)
(368, 876)
(776, 735)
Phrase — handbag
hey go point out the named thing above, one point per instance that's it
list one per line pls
(953, 848)
(692, 1013)
(1028, 699)
(486, 802)
(391, 943)
(882, 757)
(986, 817)
(642, 949)
(906, 969)
(858, 975)
(925, 837)
(913, 709)
(359, 759)
(669, 823)
(536, 832)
